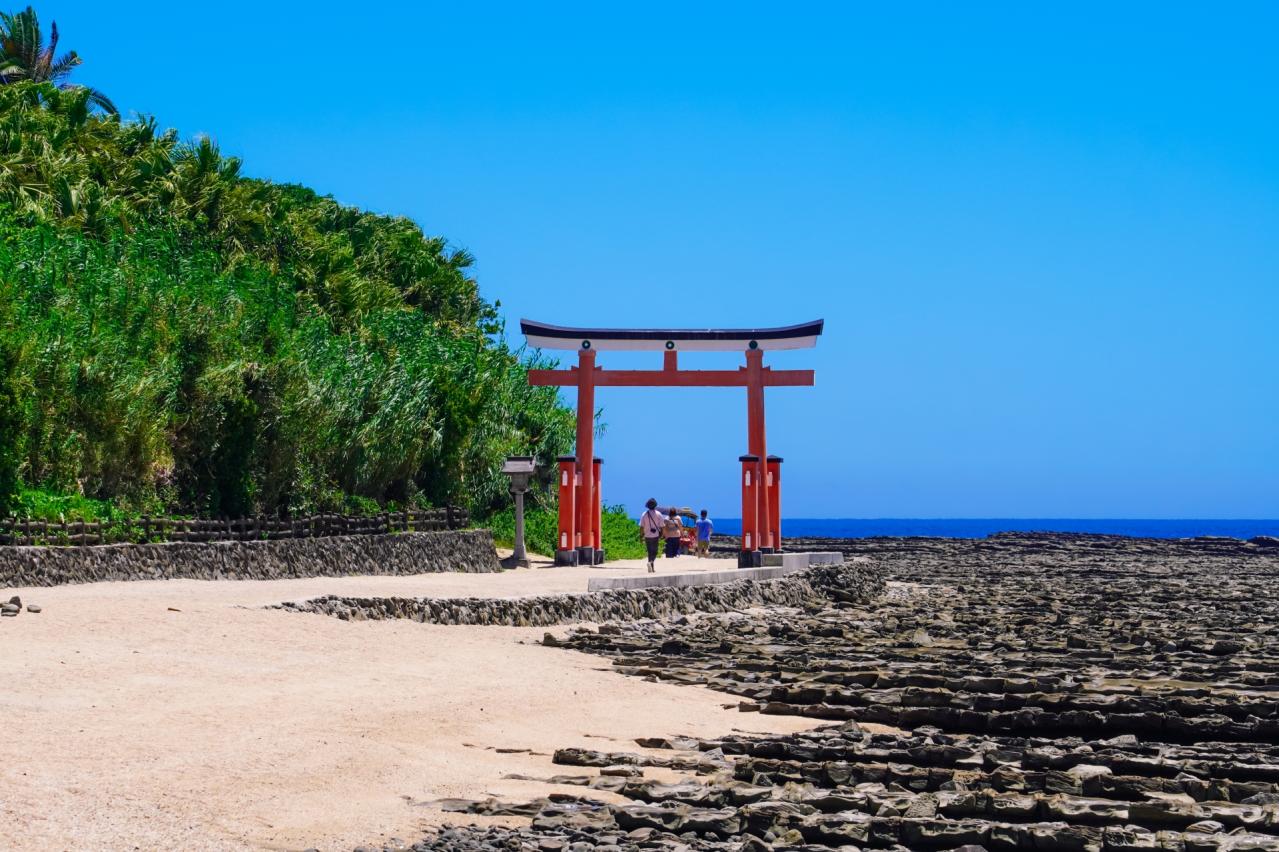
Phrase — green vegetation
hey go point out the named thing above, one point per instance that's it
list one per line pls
(10, 427)
(177, 337)
(25, 56)
(42, 505)
(541, 527)
(621, 538)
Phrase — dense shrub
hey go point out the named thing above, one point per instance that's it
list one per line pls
(177, 337)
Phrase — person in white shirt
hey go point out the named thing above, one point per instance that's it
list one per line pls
(651, 523)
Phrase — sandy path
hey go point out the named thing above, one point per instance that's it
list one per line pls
(126, 725)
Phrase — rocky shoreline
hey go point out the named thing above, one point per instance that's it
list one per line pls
(1022, 692)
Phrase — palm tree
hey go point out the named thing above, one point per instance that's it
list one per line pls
(24, 56)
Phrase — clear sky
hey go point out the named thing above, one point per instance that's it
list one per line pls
(1045, 240)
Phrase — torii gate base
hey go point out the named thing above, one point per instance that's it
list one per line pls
(579, 492)
(570, 548)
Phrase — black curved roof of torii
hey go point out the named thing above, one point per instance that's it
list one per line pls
(547, 336)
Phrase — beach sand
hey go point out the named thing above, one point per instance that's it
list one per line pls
(166, 714)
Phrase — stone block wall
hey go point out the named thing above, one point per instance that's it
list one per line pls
(849, 582)
(404, 553)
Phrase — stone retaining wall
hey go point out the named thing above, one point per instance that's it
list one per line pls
(405, 553)
(850, 583)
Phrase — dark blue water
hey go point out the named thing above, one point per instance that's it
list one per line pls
(982, 527)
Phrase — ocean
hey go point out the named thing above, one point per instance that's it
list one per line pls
(982, 527)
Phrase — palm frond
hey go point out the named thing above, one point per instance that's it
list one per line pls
(25, 56)
(63, 65)
(101, 101)
(44, 58)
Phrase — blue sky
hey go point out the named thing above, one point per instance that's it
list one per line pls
(1045, 240)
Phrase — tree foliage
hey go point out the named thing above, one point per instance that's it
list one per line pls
(189, 339)
(25, 56)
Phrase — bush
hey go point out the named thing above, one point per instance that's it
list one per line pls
(621, 534)
(45, 506)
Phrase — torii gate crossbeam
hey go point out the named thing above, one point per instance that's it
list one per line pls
(579, 534)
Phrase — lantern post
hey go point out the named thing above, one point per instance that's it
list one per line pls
(520, 470)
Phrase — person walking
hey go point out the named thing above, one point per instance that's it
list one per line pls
(651, 523)
(672, 529)
(704, 527)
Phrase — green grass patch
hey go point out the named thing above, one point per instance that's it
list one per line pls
(49, 506)
(621, 534)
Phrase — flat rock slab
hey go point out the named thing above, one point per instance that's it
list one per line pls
(802, 559)
(652, 581)
(775, 565)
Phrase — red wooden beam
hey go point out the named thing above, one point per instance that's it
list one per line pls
(673, 378)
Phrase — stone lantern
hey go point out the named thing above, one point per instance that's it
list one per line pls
(520, 470)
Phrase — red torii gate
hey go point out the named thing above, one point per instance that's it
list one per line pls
(579, 519)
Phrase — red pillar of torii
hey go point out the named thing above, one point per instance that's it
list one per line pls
(579, 535)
